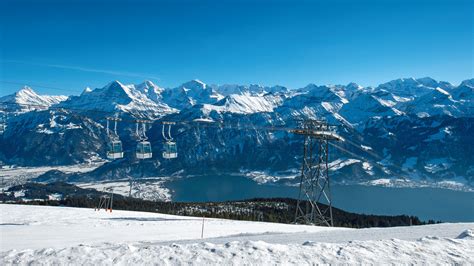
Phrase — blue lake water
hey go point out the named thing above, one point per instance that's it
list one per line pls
(426, 203)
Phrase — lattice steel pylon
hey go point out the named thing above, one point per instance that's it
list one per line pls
(314, 204)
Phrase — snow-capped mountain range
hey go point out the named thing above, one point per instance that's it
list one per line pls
(142, 101)
(416, 129)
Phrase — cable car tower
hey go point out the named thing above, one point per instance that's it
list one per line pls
(314, 204)
(114, 150)
(143, 147)
(170, 150)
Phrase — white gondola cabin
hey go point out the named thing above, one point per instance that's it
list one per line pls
(115, 150)
(144, 150)
(170, 150)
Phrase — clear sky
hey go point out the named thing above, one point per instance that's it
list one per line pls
(73, 44)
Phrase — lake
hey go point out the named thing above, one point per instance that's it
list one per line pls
(426, 203)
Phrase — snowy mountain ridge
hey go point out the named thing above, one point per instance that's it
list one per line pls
(26, 99)
(191, 93)
(423, 97)
(415, 129)
(245, 103)
(142, 101)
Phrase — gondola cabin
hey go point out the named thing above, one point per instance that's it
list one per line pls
(170, 150)
(143, 150)
(115, 150)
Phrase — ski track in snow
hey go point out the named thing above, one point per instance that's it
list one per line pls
(60, 235)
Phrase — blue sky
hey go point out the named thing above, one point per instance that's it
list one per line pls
(69, 45)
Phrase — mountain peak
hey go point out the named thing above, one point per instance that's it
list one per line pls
(200, 82)
(400, 81)
(86, 90)
(148, 86)
(468, 83)
(354, 86)
(405, 87)
(194, 84)
(410, 79)
(26, 99)
(26, 91)
(427, 80)
(148, 83)
(114, 84)
(430, 82)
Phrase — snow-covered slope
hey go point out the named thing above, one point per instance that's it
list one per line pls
(245, 103)
(58, 235)
(464, 95)
(74, 226)
(228, 89)
(27, 99)
(52, 137)
(435, 102)
(366, 106)
(314, 102)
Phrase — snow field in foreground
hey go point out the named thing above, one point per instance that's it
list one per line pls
(59, 235)
(34, 227)
(428, 250)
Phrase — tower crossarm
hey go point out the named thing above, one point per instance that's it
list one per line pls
(319, 134)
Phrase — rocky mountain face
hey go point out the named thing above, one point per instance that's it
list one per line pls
(413, 129)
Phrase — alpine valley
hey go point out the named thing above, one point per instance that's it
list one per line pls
(405, 132)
